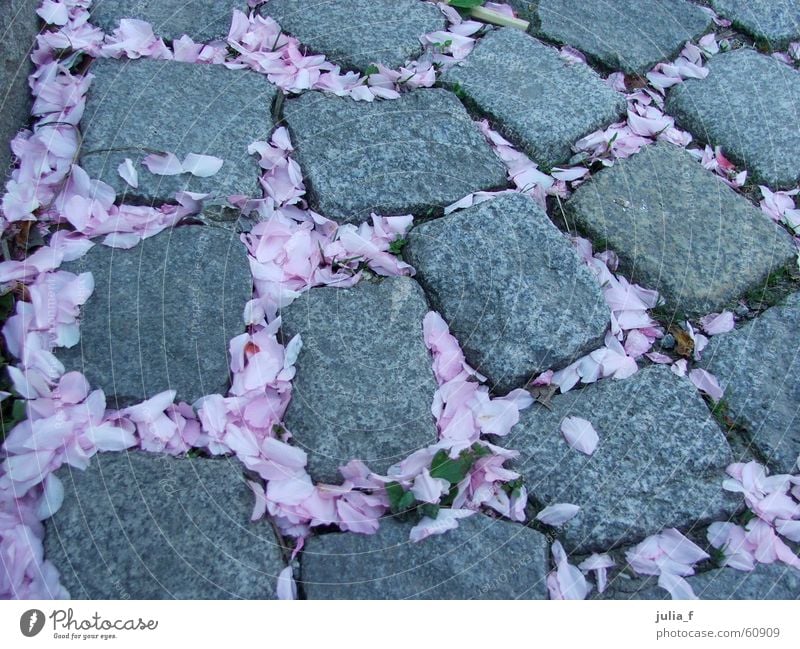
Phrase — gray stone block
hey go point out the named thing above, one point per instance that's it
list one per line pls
(775, 21)
(748, 105)
(539, 101)
(357, 33)
(364, 384)
(140, 526)
(483, 558)
(660, 461)
(411, 155)
(162, 315)
(619, 34)
(511, 287)
(679, 230)
(20, 27)
(758, 366)
(202, 20)
(135, 108)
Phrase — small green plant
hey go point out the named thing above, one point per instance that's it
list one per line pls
(717, 556)
(403, 503)
(720, 410)
(396, 246)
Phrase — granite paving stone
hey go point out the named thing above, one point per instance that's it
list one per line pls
(619, 34)
(748, 105)
(766, 581)
(679, 230)
(416, 154)
(660, 461)
(512, 288)
(364, 383)
(135, 108)
(202, 20)
(358, 33)
(758, 366)
(536, 99)
(483, 558)
(162, 315)
(20, 28)
(136, 525)
(775, 21)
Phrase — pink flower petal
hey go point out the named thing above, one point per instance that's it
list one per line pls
(286, 588)
(428, 489)
(558, 514)
(202, 166)
(566, 581)
(706, 382)
(445, 521)
(717, 323)
(166, 164)
(580, 434)
(676, 586)
(128, 173)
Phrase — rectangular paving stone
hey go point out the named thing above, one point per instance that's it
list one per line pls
(162, 315)
(416, 154)
(357, 33)
(660, 461)
(748, 105)
(137, 525)
(758, 367)
(535, 98)
(202, 20)
(679, 230)
(20, 28)
(628, 35)
(511, 287)
(775, 21)
(364, 384)
(482, 558)
(135, 108)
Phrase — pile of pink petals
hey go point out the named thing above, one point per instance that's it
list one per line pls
(567, 581)
(290, 250)
(780, 207)
(775, 502)
(669, 555)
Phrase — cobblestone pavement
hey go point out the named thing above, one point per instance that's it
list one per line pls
(372, 300)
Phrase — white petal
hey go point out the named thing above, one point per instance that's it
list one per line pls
(128, 173)
(163, 165)
(580, 434)
(557, 514)
(202, 166)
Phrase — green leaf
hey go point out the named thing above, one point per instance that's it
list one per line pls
(465, 4)
(6, 305)
(18, 411)
(513, 487)
(480, 451)
(430, 510)
(406, 502)
(371, 69)
(399, 499)
(454, 471)
(396, 246)
(395, 493)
